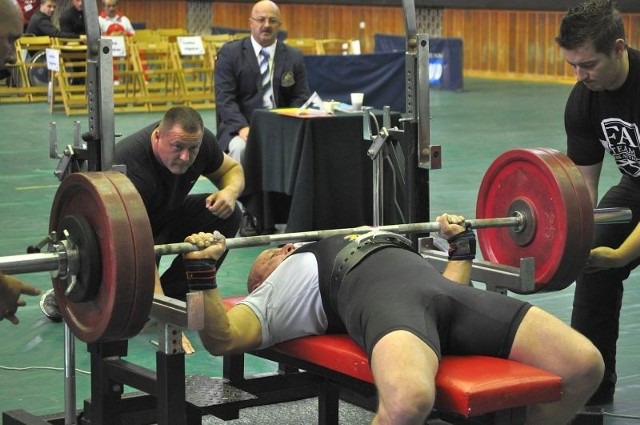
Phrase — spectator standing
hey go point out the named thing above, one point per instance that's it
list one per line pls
(113, 22)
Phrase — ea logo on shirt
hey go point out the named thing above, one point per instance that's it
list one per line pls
(622, 141)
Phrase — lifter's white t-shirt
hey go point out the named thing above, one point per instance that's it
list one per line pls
(288, 303)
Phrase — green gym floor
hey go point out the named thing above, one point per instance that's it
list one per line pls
(473, 127)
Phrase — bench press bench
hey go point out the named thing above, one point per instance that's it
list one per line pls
(475, 389)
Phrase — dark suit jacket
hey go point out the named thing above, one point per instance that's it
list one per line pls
(40, 24)
(72, 20)
(237, 84)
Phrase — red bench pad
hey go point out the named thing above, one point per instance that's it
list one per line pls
(466, 385)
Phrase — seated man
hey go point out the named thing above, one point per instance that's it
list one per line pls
(41, 24)
(256, 72)
(241, 89)
(400, 310)
(72, 18)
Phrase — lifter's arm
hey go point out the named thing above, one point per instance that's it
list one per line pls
(235, 331)
(458, 271)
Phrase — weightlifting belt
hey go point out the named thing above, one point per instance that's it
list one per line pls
(349, 257)
(336, 256)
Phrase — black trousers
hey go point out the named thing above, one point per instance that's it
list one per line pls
(193, 218)
(598, 296)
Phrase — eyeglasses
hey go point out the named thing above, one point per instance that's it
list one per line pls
(263, 20)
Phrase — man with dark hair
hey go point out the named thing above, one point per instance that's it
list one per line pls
(72, 19)
(602, 115)
(40, 23)
(164, 161)
(399, 309)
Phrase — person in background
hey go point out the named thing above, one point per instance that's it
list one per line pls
(602, 115)
(10, 29)
(239, 86)
(164, 161)
(11, 289)
(72, 19)
(256, 72)
(28, 8)
(40, 23)
(113, 22)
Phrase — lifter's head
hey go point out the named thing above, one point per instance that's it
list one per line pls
(593, 42)
(266, 263)
(10, 30)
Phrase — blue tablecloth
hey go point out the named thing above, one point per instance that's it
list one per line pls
(445, 58)
(380, 76)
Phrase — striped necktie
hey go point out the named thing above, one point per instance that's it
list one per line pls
(265, 77)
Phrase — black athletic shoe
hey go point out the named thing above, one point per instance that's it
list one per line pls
(248, 225)
(604, 395)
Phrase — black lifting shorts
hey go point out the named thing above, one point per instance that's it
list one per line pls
(395, 289)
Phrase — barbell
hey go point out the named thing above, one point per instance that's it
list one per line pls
(531, 203)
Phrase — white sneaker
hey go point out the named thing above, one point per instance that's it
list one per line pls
(49, 306)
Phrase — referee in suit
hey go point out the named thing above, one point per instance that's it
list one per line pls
(256, 72)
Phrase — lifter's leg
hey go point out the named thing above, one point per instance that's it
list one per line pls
(404, 369)
(546, 342)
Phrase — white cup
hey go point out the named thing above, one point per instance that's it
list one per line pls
(356, 101)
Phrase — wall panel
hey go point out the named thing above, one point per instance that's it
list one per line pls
(155, 13)
(320, 21)
(497, 43)
(516, 44)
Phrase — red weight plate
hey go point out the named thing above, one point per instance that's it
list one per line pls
(145, 265)
(580, 213)
(93, 196)
(584, 221)
(532, 178)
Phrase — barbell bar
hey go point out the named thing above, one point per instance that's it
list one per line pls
(518, 221)
(532, 203)
(53, 261)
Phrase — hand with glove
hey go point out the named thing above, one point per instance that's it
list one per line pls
(201, 265)
(462, 241)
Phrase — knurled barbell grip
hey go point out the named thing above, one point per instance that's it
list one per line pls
(601, 216)
(178, 248)
(29, 263)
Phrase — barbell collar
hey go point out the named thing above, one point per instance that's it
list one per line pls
(30, 263)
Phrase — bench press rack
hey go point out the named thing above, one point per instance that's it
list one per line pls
(334, 367)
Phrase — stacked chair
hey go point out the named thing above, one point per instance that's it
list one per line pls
(153, 70)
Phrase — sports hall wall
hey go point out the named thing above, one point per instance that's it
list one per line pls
(497, 42)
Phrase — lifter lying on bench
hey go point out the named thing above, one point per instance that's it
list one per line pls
(399, 309)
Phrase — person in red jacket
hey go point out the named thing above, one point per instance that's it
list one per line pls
(113, 22)
(28, 8)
